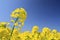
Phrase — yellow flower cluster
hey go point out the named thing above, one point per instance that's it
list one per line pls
(4, 33)
(4, 24)
(45, 34)
(19, 14)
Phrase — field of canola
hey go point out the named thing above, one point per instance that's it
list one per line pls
(18, 18)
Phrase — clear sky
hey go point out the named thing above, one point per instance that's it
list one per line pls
(39, 12)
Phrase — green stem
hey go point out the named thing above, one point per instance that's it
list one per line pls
(13, 29)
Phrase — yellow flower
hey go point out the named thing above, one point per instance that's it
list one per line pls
(35, 29)
(21, 20)
(22, 24)
(16, 24)
(19, 13)
(54, 31)
(58, 35)
(4, 24)
(15, 32)
(46, 30)
(23, 12)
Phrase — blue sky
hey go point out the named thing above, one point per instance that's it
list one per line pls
(39, 12)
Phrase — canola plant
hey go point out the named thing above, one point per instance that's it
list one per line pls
(18, 18)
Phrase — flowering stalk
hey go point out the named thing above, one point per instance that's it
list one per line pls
(20, 15)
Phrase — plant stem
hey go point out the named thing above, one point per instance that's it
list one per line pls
(13, 29)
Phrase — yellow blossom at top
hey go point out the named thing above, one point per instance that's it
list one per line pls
(35, 29)
(46, 30)
(54, 31)
(19, 13)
